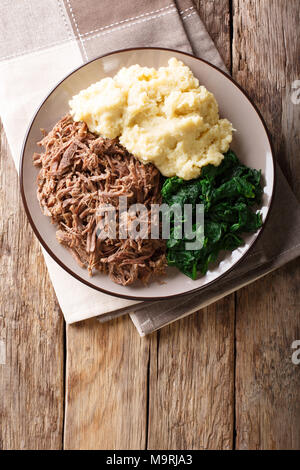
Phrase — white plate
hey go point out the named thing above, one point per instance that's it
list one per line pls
(251, 143)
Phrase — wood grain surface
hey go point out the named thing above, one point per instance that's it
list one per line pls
(268, 311)
(31, 330)
(216, 15)
(106, 380)
(191, 381)
(220, 379)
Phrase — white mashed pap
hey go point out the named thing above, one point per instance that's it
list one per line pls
(161, 116)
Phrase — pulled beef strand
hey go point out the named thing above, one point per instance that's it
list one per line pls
(81, 171)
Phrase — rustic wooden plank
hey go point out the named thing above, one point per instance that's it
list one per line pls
(31, 330)
(216, 16)
(192, 361)
(266, 52)
(106, 399)
(191, 381)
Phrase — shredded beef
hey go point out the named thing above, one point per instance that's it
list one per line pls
(80, 172)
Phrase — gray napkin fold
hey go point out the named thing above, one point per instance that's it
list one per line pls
(279, 243)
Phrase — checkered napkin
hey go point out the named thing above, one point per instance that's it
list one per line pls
(40, 42)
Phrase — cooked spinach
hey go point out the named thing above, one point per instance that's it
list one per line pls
(229, 193)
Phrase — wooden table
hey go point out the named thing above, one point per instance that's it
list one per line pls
(222, 378)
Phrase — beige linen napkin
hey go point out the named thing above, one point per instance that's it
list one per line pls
(40, 42)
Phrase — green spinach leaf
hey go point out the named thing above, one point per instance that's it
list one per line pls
(228, 192)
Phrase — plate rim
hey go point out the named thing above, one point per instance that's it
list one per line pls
(134, 297)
